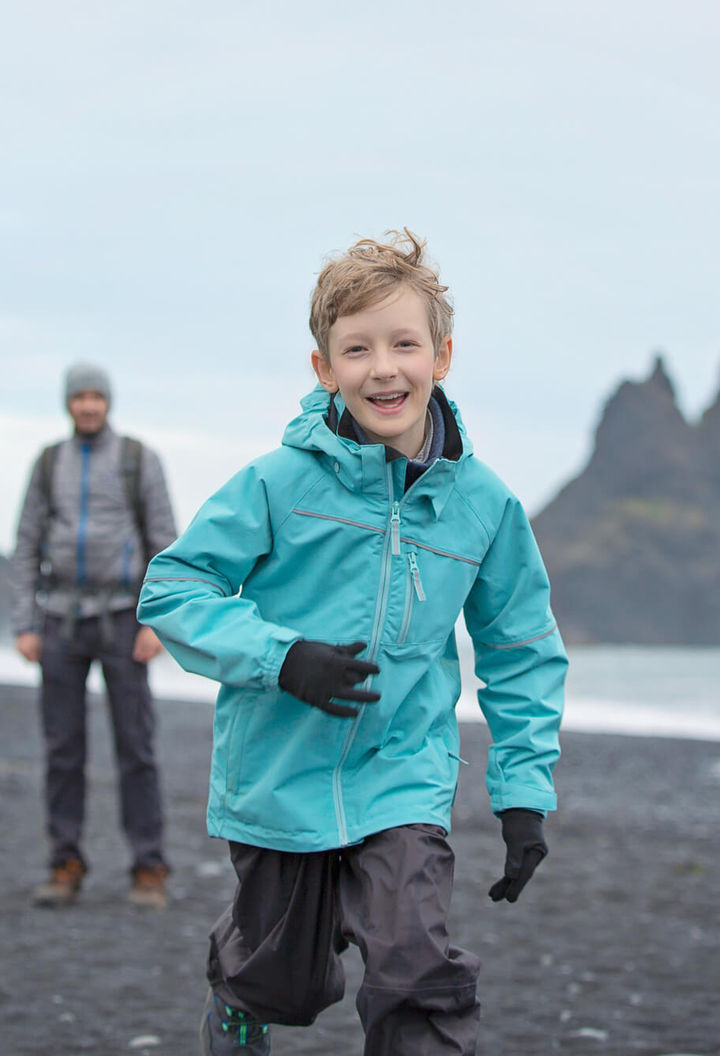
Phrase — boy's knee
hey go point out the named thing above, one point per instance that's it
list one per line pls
(422, 971)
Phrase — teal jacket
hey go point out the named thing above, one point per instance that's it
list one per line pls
(318, 540)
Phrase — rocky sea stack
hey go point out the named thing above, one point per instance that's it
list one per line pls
(632, 544)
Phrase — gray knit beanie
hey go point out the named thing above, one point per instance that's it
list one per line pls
(85, 376)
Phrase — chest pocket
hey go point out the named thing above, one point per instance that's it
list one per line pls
(436, 586)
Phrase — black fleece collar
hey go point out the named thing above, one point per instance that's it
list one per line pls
(452, 448)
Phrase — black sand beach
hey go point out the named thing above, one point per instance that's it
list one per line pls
(614, 948)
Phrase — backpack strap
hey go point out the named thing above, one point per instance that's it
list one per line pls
(130, 467)
(48, 458)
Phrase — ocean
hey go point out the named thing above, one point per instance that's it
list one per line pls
(636, 690)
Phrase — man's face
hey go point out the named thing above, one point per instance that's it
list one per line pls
(383, 363)
(89, 411)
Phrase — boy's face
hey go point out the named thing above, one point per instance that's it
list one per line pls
(383, 363)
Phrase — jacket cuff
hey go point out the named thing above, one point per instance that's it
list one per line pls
(275, 657)
(526, 799)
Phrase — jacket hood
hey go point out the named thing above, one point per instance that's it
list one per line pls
(363, 466)
(311, 432)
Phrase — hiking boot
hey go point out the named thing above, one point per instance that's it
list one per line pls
(149, 887)
(63, 885)
(227, 1031)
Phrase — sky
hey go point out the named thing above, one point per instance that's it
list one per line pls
(174, 175)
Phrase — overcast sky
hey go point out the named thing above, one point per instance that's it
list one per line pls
(173, 174)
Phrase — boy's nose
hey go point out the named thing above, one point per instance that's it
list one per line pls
(383, 364)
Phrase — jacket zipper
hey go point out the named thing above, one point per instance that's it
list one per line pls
(415, 573)
(414, 590)
(391, 541)
(395, 528)
(381, 607)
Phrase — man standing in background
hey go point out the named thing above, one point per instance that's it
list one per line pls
(96, 510)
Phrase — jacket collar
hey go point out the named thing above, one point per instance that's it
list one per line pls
(325, 427)
(95, 440)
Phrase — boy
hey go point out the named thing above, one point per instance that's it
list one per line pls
(321, 587)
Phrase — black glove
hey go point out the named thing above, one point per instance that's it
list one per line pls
(526, 848)
(316, 671)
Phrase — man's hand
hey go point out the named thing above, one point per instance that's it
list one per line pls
(147, 645)
(526, 848)
(29, 645)
(316, 671)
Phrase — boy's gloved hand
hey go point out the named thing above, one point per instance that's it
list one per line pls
(316, 671)
(526, 848)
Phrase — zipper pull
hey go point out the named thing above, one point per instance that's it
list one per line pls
(395, 527)
(415, 573)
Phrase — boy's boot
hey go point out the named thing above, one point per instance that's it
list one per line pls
(62, 886)
(227, 1031)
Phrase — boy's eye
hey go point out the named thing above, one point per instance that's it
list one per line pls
(406, 344)
(354, 349)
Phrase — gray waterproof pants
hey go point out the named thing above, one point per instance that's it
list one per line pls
(65, 666)
(274, 953)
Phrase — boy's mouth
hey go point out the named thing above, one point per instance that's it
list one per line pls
(388, 401)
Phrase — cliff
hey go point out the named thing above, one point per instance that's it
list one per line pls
(632, 544)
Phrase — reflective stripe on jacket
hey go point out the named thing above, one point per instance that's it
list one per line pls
(317, 540)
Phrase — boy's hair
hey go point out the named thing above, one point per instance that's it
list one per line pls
(369, 272)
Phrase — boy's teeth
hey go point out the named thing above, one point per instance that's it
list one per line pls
(392, 396)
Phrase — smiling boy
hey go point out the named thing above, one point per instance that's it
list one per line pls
(383, 361)
(321, 587)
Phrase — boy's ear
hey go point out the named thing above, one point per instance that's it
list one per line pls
(443, 359)
(324, 371)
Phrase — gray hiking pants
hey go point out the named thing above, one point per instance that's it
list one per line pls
(65, 665)
(274, 953)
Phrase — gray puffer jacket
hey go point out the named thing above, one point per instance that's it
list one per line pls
(88, 540)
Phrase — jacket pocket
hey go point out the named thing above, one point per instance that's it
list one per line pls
(236, 741)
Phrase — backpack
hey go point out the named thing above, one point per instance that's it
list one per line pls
(130, 465)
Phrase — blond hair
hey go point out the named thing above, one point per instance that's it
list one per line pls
(370, 271)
